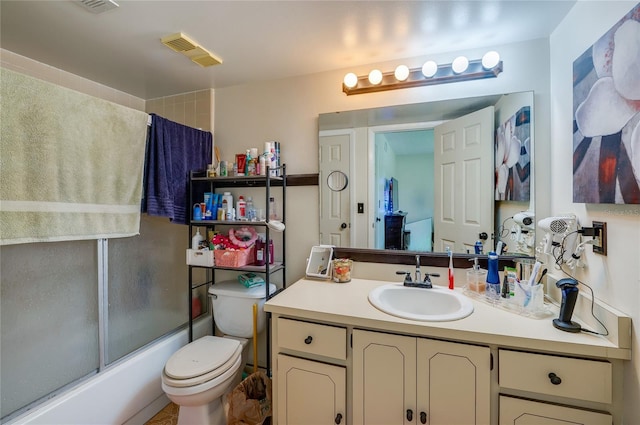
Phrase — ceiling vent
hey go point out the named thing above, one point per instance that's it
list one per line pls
(178, 42)
(98, 6)
(183, 44)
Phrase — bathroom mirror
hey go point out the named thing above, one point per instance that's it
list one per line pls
(388, 155)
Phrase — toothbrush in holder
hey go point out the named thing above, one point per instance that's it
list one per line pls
(451, 276)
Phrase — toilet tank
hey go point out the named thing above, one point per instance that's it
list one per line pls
(233, 307)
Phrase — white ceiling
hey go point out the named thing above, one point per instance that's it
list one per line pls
(257, 40)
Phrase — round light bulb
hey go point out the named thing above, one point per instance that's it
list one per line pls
(460, 64)
(402, 72)
(490, 59)
(351, 80)
(375, 77)
(429, 69)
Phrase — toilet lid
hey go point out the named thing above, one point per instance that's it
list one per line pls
(202, 356)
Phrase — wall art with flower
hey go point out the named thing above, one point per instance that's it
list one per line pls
(606, 126)
(513, 158)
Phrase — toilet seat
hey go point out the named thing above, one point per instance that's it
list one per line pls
(201, 361)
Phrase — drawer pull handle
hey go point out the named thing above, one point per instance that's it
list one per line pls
(308, 340)
(338, 418)
(409, 415)
(423, 417)
(555, 379)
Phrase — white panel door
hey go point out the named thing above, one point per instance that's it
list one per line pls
(335, 211)
(464, 180)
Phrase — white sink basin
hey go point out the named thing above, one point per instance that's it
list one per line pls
(435, 304)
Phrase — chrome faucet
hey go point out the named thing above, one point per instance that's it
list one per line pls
(417, 282)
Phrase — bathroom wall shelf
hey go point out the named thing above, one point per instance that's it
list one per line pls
(200, 183)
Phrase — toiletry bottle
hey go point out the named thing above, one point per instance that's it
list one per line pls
(241, 208)
(251, 212)
(259, 250)
(273, 159)
(493, 278)
(247, 167)
(271, 259)
(229, 198)
(273, 213)
(196, 240)
(224, 209)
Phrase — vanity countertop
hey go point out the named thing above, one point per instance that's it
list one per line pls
(347, 304)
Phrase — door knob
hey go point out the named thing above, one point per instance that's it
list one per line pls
(338, 418)
(308, 340)
(409, 415)
(343, 226)
(423, 417)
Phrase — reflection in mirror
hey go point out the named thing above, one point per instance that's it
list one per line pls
(337, 181)
(408, 178)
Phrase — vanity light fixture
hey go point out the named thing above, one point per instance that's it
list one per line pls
(430, 73)
(375, 77)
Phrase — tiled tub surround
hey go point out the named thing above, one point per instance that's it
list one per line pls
(515, 355)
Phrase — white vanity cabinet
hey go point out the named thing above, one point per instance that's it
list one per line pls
(407, 380)
(308, 390)
(469, 371)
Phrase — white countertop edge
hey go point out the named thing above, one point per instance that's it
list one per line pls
(347, 304)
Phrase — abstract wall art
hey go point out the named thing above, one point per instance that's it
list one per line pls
(513, 157)
(606, 117)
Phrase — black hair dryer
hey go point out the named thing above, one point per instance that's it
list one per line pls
(569, 289)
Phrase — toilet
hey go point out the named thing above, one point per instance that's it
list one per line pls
(200, 374)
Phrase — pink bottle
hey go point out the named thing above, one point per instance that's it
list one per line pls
(259, 251)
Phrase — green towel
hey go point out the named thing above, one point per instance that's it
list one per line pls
(70, 164)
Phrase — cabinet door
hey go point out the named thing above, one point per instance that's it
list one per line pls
(515, 411)
(453, 383)
(310, 393)
(384, 378)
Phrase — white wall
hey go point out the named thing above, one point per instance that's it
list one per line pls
(287, 110)
(616, 277)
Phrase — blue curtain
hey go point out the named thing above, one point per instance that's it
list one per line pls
(173, 151)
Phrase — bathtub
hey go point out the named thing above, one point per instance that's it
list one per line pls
(128, 393)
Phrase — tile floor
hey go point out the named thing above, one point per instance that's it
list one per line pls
(167, 416)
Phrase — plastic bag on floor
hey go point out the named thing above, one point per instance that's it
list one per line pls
(250, 401)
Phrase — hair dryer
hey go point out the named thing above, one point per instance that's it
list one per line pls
(558, 230)
(524, 219)
(569, 289)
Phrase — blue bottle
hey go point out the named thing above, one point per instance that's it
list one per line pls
(492, 291)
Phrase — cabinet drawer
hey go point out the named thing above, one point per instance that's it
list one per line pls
(580, 379)
(312, 338)
(518, 411)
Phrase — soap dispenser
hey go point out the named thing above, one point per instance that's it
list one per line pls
(476, 278)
